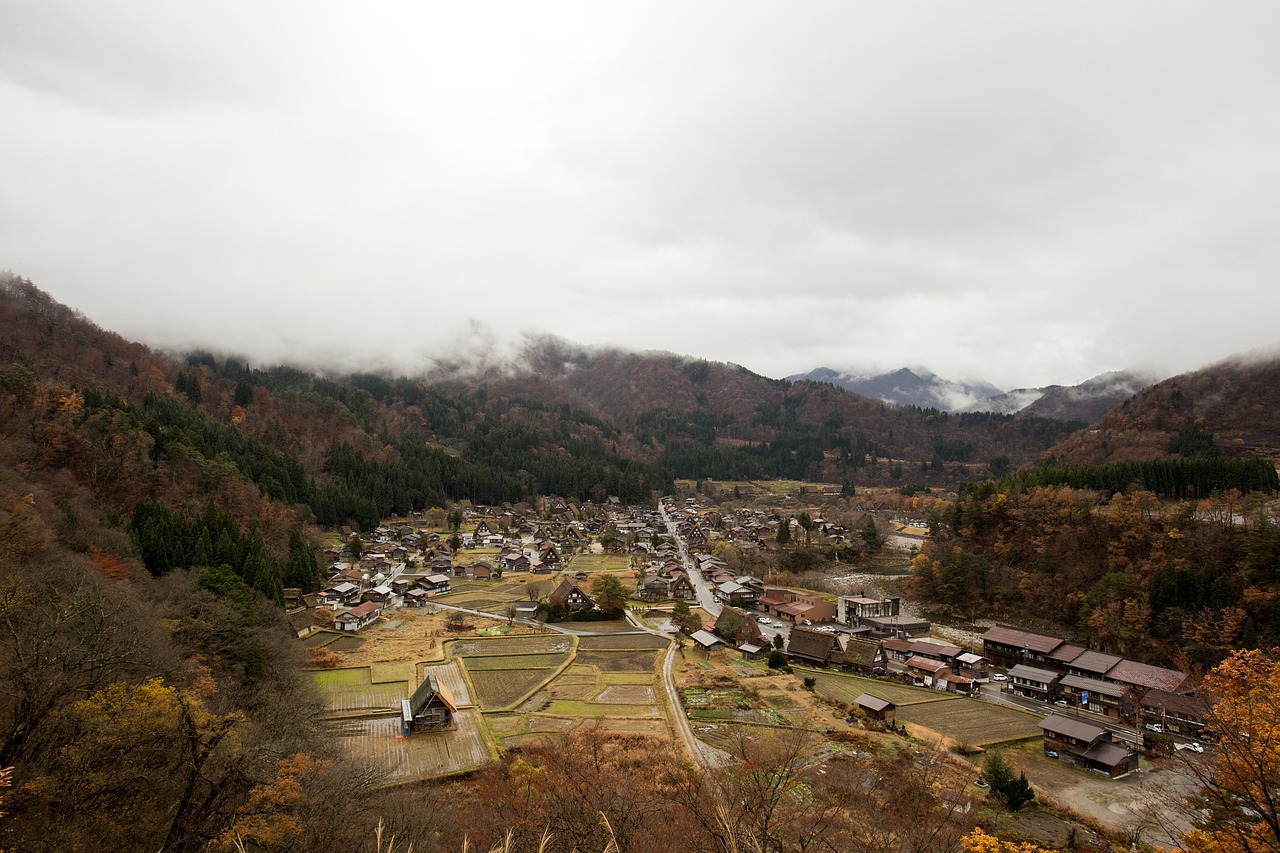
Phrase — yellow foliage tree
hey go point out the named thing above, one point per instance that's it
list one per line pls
(1240, 777)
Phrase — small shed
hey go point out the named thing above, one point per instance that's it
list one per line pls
(707, 641)
(876, 708)
(751, 651)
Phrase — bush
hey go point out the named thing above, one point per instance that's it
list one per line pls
(777, 659)
(810, 682)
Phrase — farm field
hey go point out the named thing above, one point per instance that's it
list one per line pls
(424, 755)
(485, 662)
(449, 676)
(847, 688)
(643, 660)
(980, 723)
(600, 562)
(623, 641)
(618, 626)
(501, 688)
(352, 691)
(519, 644)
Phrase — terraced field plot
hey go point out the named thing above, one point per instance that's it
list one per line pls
(351, 691)
(501, 688)
(980, 723)
(546, 662)
(623, 641)
(614, 626)
(847, 688)
(345, 644)
(423, 755)
(623, 661)
(519, 644)
(627, 694)
(570, 708)
(450, 678)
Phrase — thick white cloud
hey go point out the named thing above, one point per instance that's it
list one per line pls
(1023, 193)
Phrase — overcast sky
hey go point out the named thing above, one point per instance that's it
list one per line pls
(1026, 193)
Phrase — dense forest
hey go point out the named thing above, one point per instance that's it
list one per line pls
(1182, 581)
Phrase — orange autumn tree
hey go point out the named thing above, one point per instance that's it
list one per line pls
(1239, 780)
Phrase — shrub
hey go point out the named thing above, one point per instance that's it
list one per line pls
(777, 659)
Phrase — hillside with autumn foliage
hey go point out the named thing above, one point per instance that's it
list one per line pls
(1231, 408)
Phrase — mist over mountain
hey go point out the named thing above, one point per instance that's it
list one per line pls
(907, 387)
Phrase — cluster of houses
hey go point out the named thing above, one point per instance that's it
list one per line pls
(402, 566)
(1048, 668)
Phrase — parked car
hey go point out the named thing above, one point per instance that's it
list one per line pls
(1062, 702)
(1049, 753)
(1194, 747)
(1154, 727)
(999, 676)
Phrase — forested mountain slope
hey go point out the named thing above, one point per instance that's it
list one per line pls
(1232, 407)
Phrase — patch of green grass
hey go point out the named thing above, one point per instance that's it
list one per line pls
(704, 714)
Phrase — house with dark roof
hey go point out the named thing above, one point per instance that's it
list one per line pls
(1007, 646)
(1091, 664)
(809, 646)
(1086, 745)
(1034, 683)
(876, 708)
(1091, 694)
(1176, 712)
(571, 596)
(430, 708)
(855, 654)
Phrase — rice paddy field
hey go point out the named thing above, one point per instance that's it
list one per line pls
(623, 641)
(423, 755)
(519, 644)
(979, 723)
(641, 660)
(353, 692)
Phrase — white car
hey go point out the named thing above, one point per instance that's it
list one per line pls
(999, 676)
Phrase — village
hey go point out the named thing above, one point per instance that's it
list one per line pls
(439, 645)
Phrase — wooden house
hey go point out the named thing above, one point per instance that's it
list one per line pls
(1087, 746)
(430, 708)
(571, 596)
(358, 617)
(809, 646)
(876, 708)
